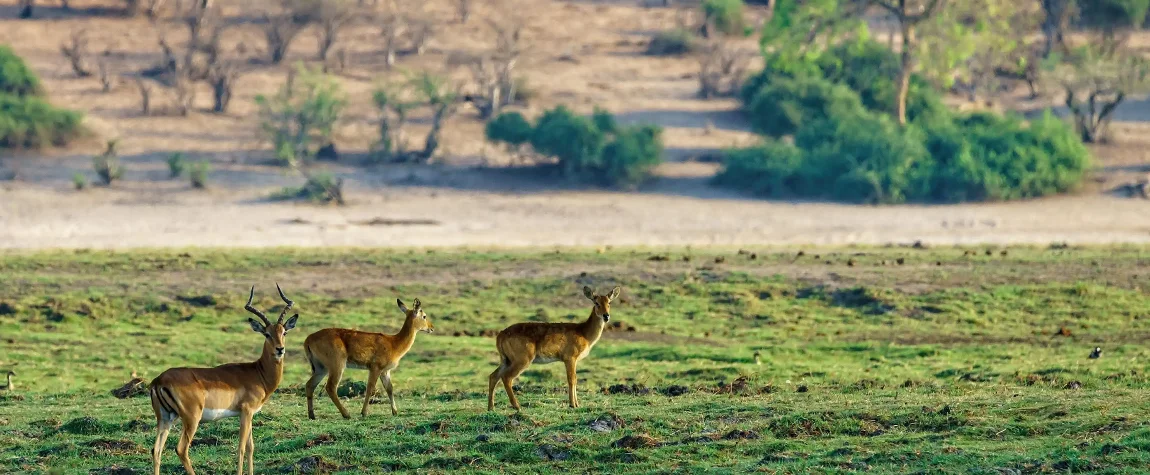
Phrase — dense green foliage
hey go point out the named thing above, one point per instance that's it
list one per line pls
(836, 105)
(725, 16)
(1109, 15)
(301, 117)
(948, 363)
(592, 149)
(27, 120)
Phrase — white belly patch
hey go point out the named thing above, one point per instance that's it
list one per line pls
(213, 414)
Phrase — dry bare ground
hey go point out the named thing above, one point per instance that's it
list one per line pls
(580, 53)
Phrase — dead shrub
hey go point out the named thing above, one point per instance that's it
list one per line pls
(77, 51)
(722, 66)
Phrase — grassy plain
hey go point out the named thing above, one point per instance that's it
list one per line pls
(897, 359)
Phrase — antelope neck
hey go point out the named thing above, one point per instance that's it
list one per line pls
(271, 369)
(406, 336)
(593, 327)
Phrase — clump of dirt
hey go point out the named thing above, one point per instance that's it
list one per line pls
(1074, 385)
(1063, 331)
(198, 300)
(737, 387)
(633, 389)
(7, 308)
(639, 441)
(741, 435)
(551, 452)
(802, 388)
(322, 439)
(377, 221)
(659, 258)
(84, 426)
(115, 447)
(135, 387)
(618, 326)
(675, 390)
(351, 388)
(607, 423)
(866, 384)
(209, 441)
(312, 464)
(137, 425)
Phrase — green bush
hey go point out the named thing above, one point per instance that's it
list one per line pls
(676, 42)
(725, 15)
(509, 127)
(301, 117)
(198, 174)
(594, 149)
(176, 165)
(866, 158)
(784, 105)
(31, 122)
(573, 139)
(16, 78)
(629, 158)
(1109, 15)
(27, 120)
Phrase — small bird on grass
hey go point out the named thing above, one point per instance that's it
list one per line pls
(757, 360)
(10, 386)
(1096, 353)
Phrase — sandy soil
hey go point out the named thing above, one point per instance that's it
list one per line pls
(581, 54)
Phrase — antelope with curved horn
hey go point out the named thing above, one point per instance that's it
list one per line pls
(331, 350)
(235, 389)
(521, 344)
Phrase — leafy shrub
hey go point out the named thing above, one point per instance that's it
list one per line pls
(676, 42)
(198, 174)
(26, 117)
(725, 16)
(865, 157)
(16, 78)
(176, 165)
(1109, 15)
(594, 149)
(301, 117)
(319, 188)
(107, 165)
(32, 122)
(784, 105)
(629, 158)
(509, 127)
(573, 139)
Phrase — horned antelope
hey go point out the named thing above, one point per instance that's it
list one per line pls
(521, 344)
(230, 390)
(331, 350)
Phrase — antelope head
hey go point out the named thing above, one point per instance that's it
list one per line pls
(602, 302)
(274, 333)
(415, 315)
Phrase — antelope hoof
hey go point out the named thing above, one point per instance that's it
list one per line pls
(394, 412)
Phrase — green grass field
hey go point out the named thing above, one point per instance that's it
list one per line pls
(885, 360)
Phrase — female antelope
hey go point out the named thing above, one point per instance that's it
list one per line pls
(230, 390)
(521, 344)
(332, 349)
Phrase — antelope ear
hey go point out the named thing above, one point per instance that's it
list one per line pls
(418, 304)
(614, 293)
(257, 326)
(587, 292)
(401, 305)
(291, 323)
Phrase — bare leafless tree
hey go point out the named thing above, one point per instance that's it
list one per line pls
(145, 96)
(393, 26)
(492, 71)
(222, 77)
(722, 67)
(104, 73)
(334, 15)
(26, 8)
(463, 9)
(185, 92)
(283, 23)
(76, 52)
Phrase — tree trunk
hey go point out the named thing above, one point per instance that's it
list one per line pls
(26, 9)
(906, 66)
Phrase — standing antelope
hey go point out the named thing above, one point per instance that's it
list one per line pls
(332, 349)
(230, 390)
(524, 343)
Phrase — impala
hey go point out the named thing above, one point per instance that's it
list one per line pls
(230, 390)
(521, 344)
(331, 350)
